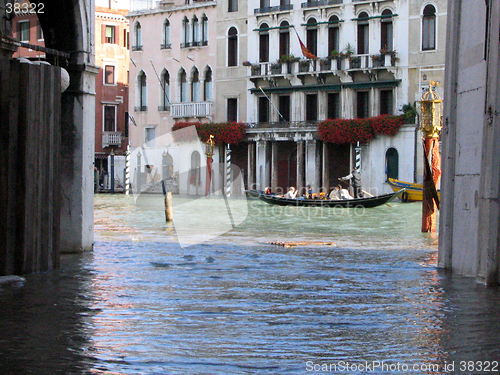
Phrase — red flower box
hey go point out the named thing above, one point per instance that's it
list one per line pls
(225, 132)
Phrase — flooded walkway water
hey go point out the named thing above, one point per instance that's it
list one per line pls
(140, 304)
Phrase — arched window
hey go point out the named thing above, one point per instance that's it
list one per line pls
(141, 97)
(232, 47)
(167, 44)
(429, 28)
(196, 31)
(164, 91)
(186, 31)
(208, 89)
(312, 36)
(284, 38)
(333, 34)
(195, 86)
(184, 89)
(386, 34)
(194, 172)
(204, 30)
(137, 37)
(392, 163)
(264, 43)
(168, 163)
(363, 34)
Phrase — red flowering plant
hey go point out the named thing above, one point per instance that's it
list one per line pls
(342, 131)
(387, 125)
(224, 132)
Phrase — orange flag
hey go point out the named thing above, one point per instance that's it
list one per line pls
(307, 54)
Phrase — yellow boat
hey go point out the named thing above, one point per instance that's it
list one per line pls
(414, 192)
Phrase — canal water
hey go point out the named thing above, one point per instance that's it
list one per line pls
(361, 294)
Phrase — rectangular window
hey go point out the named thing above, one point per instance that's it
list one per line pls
(39, 31)
(264, 48)
(23, 33)
(149, 137)
(233, 6)
(333, 105)
(363, 39)
(284, 106)
(263, 109)
(312, 107)
(428, 34)
(386, 36)
(362, 104)
(109, 118)
(386, 102)
(232, 109)
(109, 74)
(126, 38)
(110, 34)
(333, 39)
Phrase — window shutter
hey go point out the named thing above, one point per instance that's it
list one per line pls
(117, 35)
(103, 33)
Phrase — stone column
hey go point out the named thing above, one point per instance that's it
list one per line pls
(326, 169)
(251, 166)
(262, 164)
(311, 164)
(77, 177)
(274, 166)
(300, 165)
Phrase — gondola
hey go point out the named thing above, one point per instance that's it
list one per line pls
(342, 203)
(414, 192)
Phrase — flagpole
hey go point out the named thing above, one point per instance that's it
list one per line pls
(267, 97)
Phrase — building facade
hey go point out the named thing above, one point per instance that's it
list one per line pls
(172, 73)
(111, 118)
(283, 68)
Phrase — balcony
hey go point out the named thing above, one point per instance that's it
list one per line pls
(166, 46)
(111, 139)
(136, 48)
(191, 109)
(320, 3)
(142, 108)
(279, 8)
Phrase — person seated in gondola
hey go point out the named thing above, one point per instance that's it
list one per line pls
(267, 191)
(335, 193)
(344, 193)
(292, 193)
(309, 192)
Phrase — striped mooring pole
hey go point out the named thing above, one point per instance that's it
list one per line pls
(228, 171)
(127, 171)
(358, 157)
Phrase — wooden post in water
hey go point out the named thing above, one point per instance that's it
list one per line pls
(169, 213)
(167, 195)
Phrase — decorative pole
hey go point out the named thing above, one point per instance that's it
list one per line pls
(127, 171)
(431, 124)
(228, 171)
(209, 152)
(112, 173)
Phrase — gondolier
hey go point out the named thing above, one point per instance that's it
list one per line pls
(355, 180)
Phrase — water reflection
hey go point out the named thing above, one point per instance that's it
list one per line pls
(141, 304)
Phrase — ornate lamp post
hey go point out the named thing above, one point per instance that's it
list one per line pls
(430, 125)
(209, 152)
